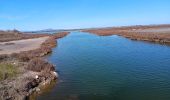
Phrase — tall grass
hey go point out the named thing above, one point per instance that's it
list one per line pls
(7, 71)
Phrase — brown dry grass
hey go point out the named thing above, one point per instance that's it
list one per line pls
(38, 65)
(7, 70)
(129, 32)
(60, 35)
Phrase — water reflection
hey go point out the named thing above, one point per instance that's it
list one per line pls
(109, 68)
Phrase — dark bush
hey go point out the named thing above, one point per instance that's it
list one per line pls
(3, 57)
(38, 65)
(30, 85)
(24, 57)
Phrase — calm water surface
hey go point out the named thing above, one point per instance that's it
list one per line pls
(109, 68)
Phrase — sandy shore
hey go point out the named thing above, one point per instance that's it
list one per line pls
(21, 45)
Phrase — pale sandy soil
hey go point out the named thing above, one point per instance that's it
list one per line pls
(154, 30)
(21, 45)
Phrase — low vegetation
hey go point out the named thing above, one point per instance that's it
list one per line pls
(136, 33)
(7, 70)
(38, 65)
(60, 35)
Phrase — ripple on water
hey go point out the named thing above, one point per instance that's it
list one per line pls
(111, 67)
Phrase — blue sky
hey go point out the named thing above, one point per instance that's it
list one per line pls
(63, 14)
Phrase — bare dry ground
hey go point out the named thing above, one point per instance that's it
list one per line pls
(21, 45)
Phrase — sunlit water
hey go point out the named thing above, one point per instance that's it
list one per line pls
(109, 68)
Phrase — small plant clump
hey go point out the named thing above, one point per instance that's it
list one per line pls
(7, 70)
(38, 65)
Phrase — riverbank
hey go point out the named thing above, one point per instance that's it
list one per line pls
(119, 68)
(151, 33)
(27, 69)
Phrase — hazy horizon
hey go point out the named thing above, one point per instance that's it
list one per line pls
(77, 14)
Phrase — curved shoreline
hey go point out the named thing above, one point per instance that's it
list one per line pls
(158, 33)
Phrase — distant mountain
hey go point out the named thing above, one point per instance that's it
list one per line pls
(47, 30)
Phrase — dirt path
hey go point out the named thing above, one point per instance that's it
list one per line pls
(21, 45)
